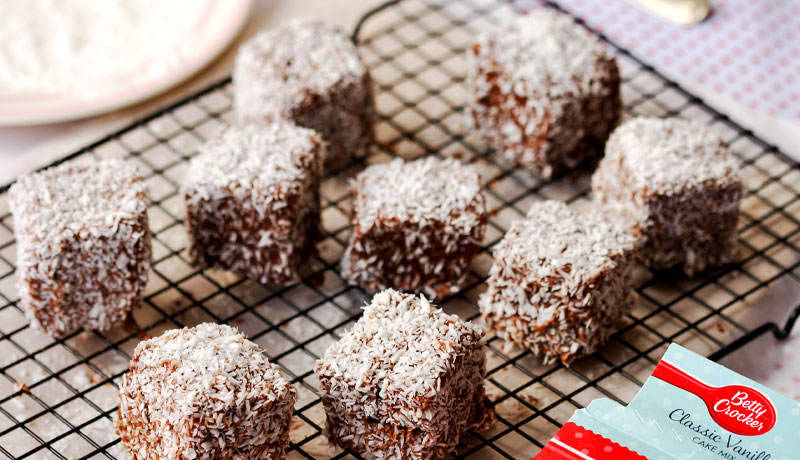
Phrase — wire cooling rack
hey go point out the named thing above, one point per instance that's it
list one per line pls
(58, 397)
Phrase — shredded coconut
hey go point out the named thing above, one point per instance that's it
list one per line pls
(204, 392)
(72, 199)
(665, 154)
(546, 52)
(210, 363)
(262, 163)
(252, 198)
(403, 343)
(416, 226)
(680, 183)
(559, 280)
(290, 61)
(85, 45)
(406, 381)
(419, 191)
(543, 91)
(83, 244)
(552, 237)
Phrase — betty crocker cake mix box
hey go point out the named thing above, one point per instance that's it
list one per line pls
(689, 408)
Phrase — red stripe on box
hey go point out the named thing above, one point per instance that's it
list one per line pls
(574, 442)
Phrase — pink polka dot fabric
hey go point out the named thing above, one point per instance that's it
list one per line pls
(771, 363)
(748, 50)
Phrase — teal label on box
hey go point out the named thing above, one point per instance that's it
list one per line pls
(690, 408)
(699, 407)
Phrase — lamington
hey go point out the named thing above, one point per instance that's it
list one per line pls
(416, 226)
(252, 199)
(204, 392)
(678, 178)
(559, 281)
(543, 91)
(310, 73)
(406, 381)
(83, 244)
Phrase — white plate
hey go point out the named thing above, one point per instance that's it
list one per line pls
(217, 26)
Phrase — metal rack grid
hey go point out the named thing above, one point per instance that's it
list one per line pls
(57, 397)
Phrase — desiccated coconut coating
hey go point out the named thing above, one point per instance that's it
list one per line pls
(204, 393)
(83, 244)
(406, 381)
(252, 196)
(679, 180)
(559, 281)
(309, 72)
(416, 226)
(543, 91)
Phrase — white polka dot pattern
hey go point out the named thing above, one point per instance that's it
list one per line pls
(745, 50)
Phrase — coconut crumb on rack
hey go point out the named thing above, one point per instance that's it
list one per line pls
(252, 199)
(406, 381)
(83, 244)
(203, 393)
(416, 226)
(680, 181)
(559, 280)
